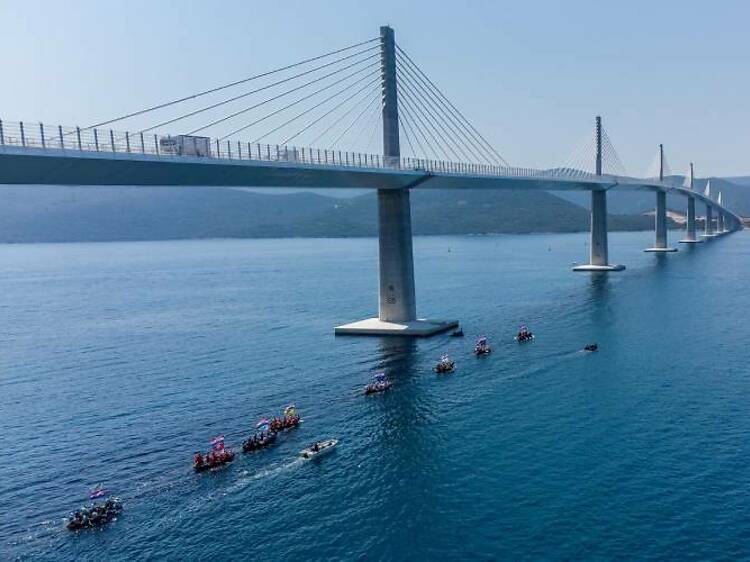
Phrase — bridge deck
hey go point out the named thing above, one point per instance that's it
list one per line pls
(51, 166)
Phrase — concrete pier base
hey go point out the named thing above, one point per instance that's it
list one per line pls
(599, 251)
(667, 249)
(600, 268)
(377, 327)
(686, 241)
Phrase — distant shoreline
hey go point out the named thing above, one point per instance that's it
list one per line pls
(362, 237)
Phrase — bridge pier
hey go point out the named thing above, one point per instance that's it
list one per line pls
(709, 228)
(397, 309)
(690, 232)
(598, 244)
(660, 224)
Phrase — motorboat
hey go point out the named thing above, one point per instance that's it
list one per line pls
(94, 515)
(259, 441)
(445, 365)
(591, 347)
(524, 335)
(319, 448)
(380, 383)
(217, 456)
(287, 422)
(482, 347)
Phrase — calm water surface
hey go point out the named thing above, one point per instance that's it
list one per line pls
(117, 361)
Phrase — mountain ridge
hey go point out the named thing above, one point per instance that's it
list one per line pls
(78, 214)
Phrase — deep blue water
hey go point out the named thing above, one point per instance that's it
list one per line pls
(118, 360)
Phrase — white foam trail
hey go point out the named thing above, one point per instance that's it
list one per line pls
(246, 477)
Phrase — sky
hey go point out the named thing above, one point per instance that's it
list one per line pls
(529, 75)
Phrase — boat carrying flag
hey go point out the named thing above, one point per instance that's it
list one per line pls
(98, 492)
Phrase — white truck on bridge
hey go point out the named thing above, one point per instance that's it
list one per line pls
(185, 145)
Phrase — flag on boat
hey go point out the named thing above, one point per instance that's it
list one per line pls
(380, 377)
(98, 492)
(262, 424)
(290, 410)
(219, 439)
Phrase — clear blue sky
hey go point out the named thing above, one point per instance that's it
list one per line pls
(530, 75)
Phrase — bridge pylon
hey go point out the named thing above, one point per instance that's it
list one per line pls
(690, 237)
(660, 213)
(397, 310)
(598, 244)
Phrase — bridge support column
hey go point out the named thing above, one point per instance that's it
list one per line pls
(397, 311)
(598, 245)
(397, 295)
(660, 223)
(690, 237)
(709, 229)
(720, 223)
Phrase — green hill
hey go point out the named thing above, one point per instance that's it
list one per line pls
(67, 214)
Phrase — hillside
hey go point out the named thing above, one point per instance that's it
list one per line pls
(57, 214)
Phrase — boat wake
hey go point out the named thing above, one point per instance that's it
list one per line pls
(246, 477)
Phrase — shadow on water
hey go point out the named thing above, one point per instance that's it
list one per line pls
(405, 425)
(397, 354)
(599, 289)
(660, 260)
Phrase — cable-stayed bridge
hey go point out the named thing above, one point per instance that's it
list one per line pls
(364, 116)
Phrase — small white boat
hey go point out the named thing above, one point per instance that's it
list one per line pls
(318, 448)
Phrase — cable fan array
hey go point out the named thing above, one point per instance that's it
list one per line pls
(331, 105)
(329, 102)
(659, 161)
(318, 101)
(582, 162)
(432, 126)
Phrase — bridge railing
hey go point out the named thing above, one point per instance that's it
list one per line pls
(39, 136)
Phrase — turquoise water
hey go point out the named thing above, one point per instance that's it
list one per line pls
(117, 361)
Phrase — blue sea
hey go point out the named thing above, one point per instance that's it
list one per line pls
(119, 360)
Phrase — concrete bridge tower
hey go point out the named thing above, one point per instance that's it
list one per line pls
(599, 252)
(660, 214)
(397, 309)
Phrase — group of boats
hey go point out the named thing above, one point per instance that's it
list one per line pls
(266, 431)
(95, 514)
(266, 434)
(481, 347)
